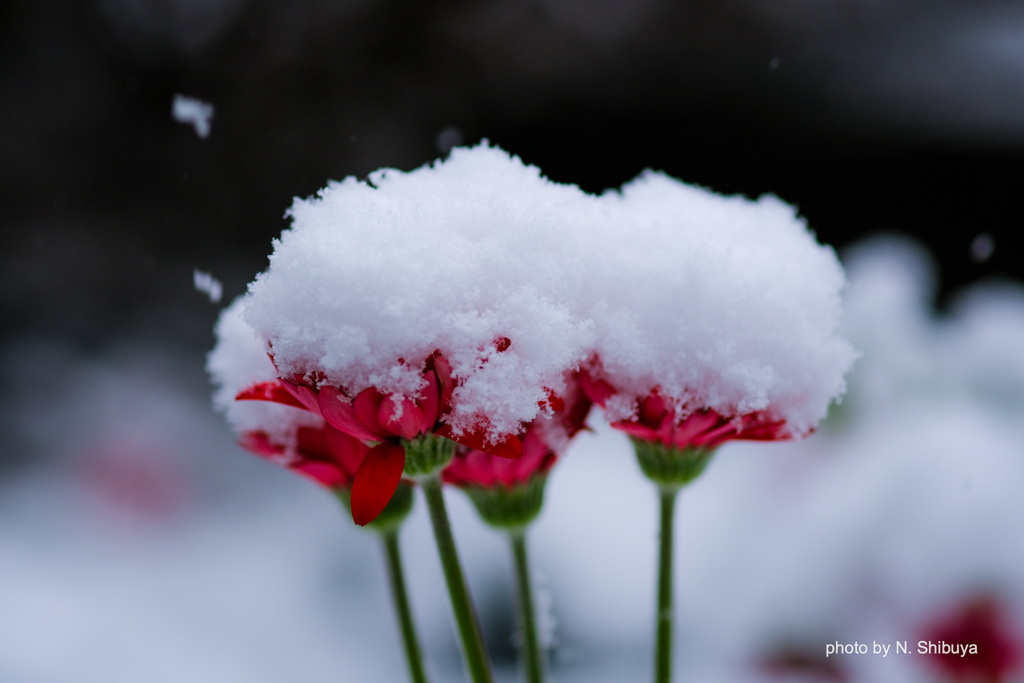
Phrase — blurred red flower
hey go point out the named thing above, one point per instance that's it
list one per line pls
(980, 622)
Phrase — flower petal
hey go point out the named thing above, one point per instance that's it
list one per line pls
(597, 390)
(553, 400)
(269, 391)
(304, 395)
(445, 381)
(430, 403)
(693, 431)
(652, 411)
(400, 415)
(327, 473)
(636, 429)
(311, 445)
(344, 449)
(511, 447)
(258, 443)
(367, 410)
(376, 481)
(339, 413)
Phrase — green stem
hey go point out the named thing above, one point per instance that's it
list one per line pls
(412, 646)
(663, 647)
(533, 655)
(462, 603)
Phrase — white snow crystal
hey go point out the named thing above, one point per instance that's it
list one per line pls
(208, 285)
(721, 302)
(237, 362)
(193, 111)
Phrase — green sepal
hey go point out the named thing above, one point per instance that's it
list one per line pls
(427, 454)
(509, 507)
(392, 516)
(670, 467)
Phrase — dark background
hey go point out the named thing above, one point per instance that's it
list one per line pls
(869, 116)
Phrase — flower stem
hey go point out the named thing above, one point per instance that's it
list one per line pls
(412, 646)
(663, 646)
(462, 604)
(533, 655)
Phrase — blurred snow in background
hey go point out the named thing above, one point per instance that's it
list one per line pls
(143, 545)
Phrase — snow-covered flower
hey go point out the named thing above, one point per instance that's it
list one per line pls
(715, 317)
(657, 420)
(425, 304)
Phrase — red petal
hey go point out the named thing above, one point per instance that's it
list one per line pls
(693, 430)
(269, 391)
(376, 481)
(502, 344)
(652, 410)
(511, 447)
(345, 450)
(367, 409)
(444, 378)
(339, 413)
(637, 430)
(755, 428)
(310, 444)
(258, 443)
(597, 390)
(326, 473)
(400, 416)
(553, 400)
(304, 395)
(430, 403)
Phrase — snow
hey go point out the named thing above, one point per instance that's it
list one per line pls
(237, 362)
(193, 111)
(208, 285)
(721, 302)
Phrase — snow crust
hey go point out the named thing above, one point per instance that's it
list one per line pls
(238, 361)
(721, 302)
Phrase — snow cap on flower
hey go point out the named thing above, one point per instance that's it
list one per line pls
(465, 257)
(713, 303)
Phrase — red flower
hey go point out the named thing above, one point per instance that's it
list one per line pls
(979, 622)
(542, 441)
(656, 420)
(472, 467)
(388, 419)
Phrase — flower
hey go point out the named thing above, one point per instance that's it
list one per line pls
(656, 420)
(509, 493)
(328, 456)
(981, 623)
(543, 440)
(391, 420)
(472, 467)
